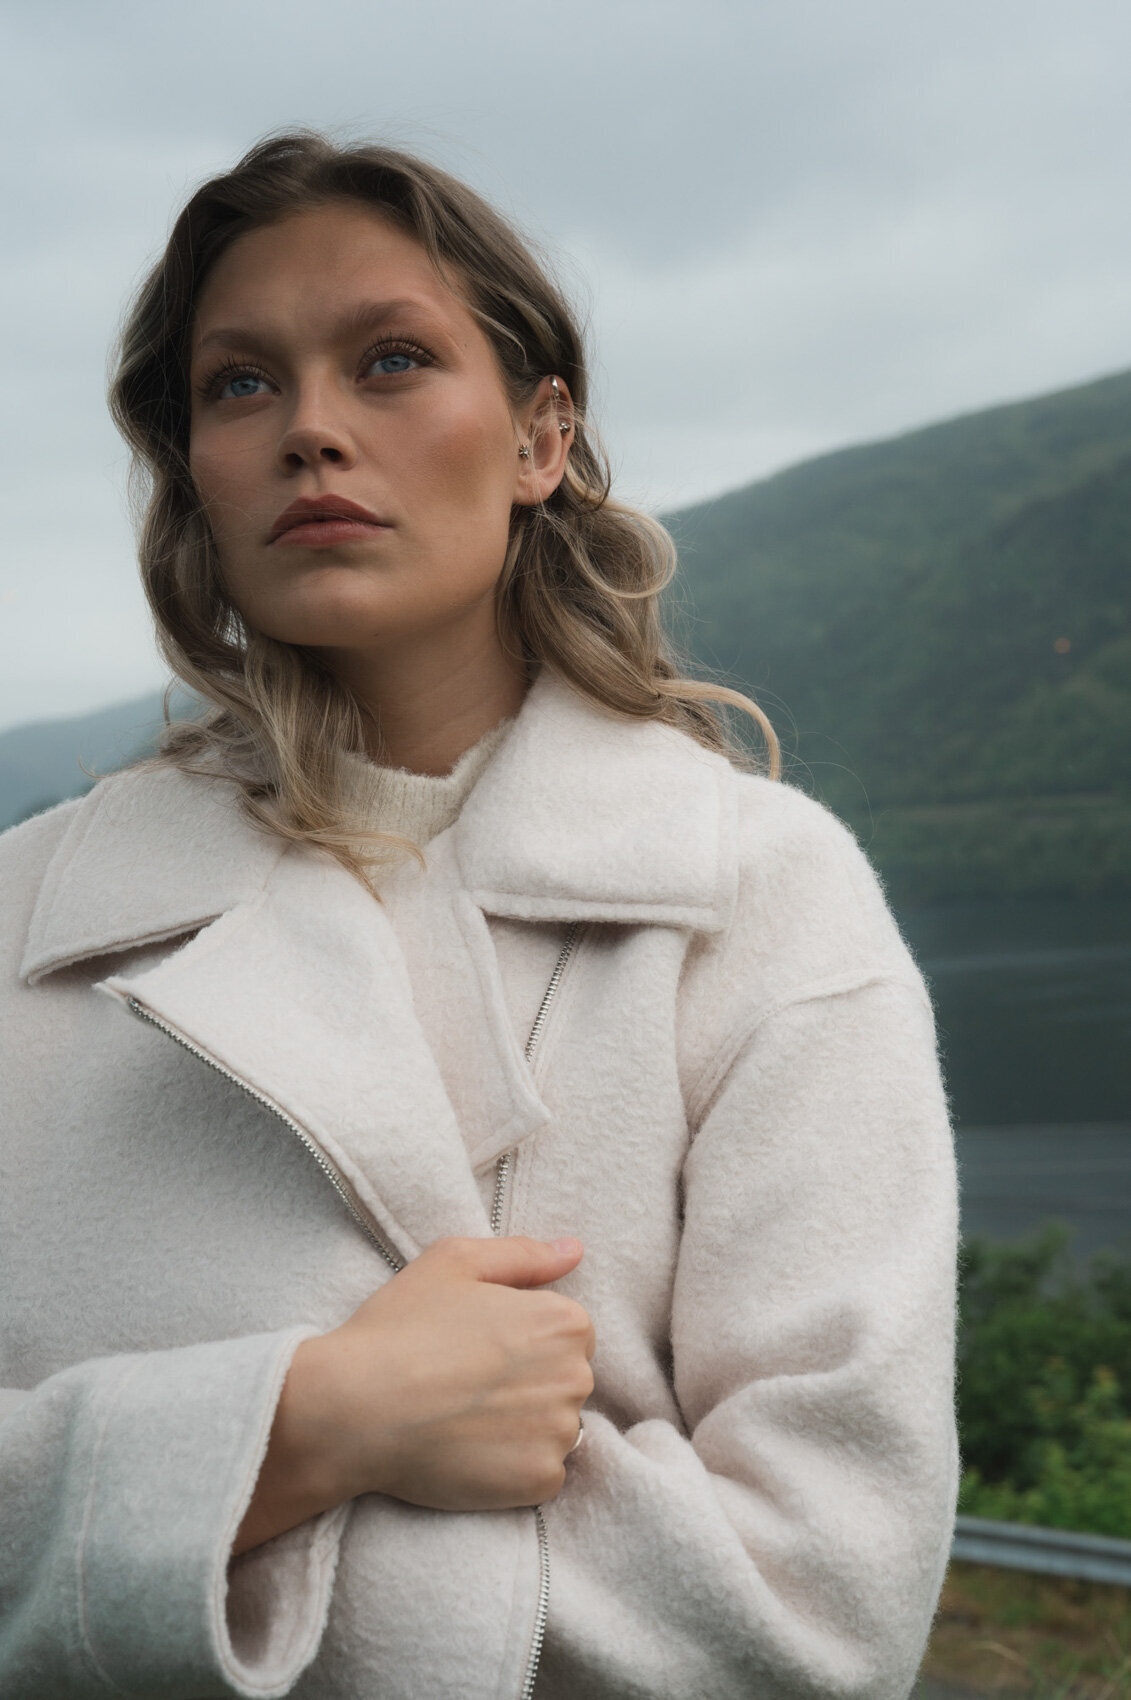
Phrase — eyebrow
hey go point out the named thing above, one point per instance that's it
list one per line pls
(366, 316)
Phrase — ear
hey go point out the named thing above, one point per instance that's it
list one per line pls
(540, 428)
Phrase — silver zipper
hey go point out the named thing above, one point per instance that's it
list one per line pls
(334, 1175)
(503, 1167)
(502, 1175)
(542, 1613)
(365, 1222)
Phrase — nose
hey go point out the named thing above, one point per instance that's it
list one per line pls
(316, 434)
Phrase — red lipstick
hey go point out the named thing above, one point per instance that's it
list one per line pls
(316, 522)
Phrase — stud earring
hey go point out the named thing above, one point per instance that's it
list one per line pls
(524, 451)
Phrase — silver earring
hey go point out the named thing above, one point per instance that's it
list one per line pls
(524, 451)
(563, 425)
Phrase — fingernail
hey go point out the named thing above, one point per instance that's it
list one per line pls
(567, 1247)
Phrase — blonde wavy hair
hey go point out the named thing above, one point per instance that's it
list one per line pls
(581, 583)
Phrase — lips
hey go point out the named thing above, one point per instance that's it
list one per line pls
(313, 511)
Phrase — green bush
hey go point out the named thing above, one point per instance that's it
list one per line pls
(1044, 1384)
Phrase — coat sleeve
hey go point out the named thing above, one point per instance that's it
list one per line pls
(122, 1483)
(792, 1540)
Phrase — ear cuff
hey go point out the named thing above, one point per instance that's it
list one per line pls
(564, 425)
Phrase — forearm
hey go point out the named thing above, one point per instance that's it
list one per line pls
(790, 1537)
(121, 1480)
(301, 1475)
(671, 1577)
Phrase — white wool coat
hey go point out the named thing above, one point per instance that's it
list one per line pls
(735, 1105)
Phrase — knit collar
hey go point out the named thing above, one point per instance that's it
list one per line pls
(417, 806)
(579, 814)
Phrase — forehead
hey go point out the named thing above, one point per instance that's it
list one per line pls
(311, 268)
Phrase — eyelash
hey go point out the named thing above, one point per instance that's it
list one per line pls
(233, 368)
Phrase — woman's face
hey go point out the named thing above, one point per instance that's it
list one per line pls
(330, 361)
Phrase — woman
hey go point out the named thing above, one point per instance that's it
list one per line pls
(442, 1036)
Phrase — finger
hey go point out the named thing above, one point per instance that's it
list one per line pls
(516, 1261)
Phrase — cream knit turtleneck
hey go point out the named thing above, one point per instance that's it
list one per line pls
(418, 806)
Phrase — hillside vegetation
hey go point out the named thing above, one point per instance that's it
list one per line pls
(939, 626)
(45, 761)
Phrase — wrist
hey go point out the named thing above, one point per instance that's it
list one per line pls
(309, 1431)
(301, 1474)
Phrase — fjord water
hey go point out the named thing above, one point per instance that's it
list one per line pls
(1033, 1000)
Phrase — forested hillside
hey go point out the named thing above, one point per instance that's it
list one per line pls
(45, 761)
(939, 626)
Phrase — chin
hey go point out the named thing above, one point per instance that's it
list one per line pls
(325, 609)
(342, 605)
(331, 629)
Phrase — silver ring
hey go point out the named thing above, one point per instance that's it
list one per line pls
(580, 1436)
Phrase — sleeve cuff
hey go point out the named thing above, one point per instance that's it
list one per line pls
(178, 1451)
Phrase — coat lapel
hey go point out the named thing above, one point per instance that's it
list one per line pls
(302, 993)
(462, 1005)
(295, 982)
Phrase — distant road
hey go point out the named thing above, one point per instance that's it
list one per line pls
(1015, 1177)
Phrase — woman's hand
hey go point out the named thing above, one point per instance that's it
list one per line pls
(456, 1385)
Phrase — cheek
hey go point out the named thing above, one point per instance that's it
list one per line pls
(212, 476)
(466, 453)
(227, 464)
(228, 502)
(224, 479)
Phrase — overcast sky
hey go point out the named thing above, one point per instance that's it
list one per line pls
(792, 225)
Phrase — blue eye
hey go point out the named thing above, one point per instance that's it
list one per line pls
(237, 388)
(392, 365)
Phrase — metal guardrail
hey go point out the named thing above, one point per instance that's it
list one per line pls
(1052, 1552)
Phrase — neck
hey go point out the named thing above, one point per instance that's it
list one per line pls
(427, 701)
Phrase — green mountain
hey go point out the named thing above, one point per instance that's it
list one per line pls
(939, 625)
(940, 628)
(46, 761)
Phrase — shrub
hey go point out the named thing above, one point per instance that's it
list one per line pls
(1044, 1385)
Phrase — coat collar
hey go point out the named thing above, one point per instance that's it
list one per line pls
(295, 983)
(587, 815)
(580, 815)
(303, 995)
(149, 854)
